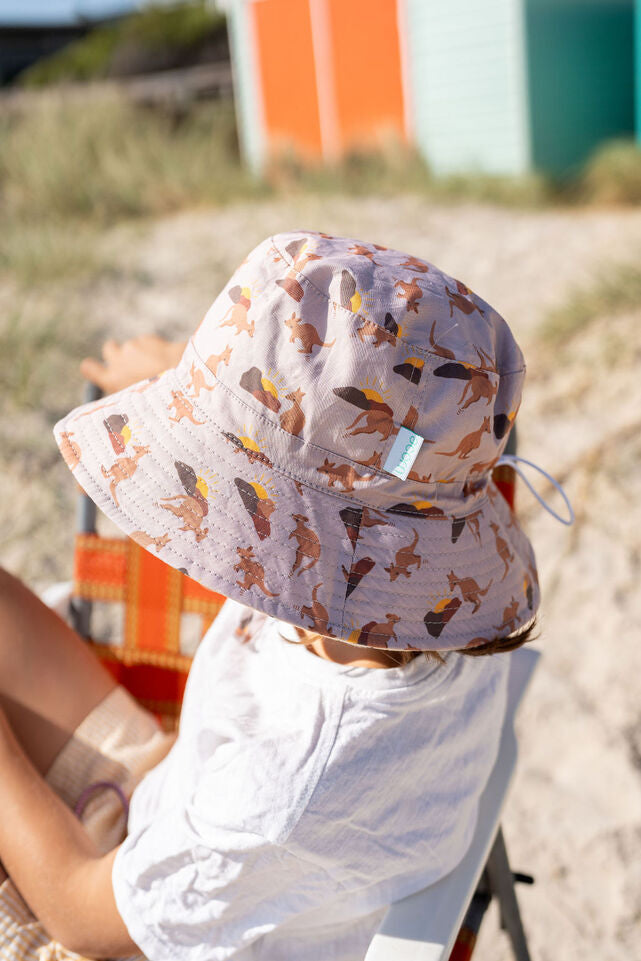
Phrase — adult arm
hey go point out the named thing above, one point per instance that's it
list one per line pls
(54, 863)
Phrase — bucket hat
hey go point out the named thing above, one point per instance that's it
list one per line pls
(323, 450)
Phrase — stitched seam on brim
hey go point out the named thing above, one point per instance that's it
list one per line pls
(304, 443)
(106, 498)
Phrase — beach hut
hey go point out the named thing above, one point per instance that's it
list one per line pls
(499, 87)
(510, 86)
(317, 78)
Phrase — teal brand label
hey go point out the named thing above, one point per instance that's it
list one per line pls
(403, 453)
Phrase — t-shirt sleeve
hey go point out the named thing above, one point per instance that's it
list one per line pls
(187, 900)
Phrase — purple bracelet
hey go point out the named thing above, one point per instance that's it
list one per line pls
(92, 788)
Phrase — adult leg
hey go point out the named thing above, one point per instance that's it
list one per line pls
(49, 678)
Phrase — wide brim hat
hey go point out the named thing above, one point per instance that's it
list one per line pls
(262, 465)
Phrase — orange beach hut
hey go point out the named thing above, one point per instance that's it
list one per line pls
(316, 78)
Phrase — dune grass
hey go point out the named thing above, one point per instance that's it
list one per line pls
(128, 44)
(108, 160)
(396, 168)
(68, 170)
(613, 293)
(613, 174)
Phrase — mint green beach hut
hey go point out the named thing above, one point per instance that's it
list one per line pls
(512, 86)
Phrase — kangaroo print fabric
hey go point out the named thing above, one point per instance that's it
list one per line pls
(255, 466)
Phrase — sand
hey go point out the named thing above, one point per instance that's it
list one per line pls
(573, 817)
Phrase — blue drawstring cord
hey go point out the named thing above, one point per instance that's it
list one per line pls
(510, 461)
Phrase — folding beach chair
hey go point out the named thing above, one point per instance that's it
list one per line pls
(438, 923)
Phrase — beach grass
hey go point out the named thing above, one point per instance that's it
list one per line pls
(613, 293)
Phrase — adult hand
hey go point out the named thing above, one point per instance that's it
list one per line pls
(127, 363)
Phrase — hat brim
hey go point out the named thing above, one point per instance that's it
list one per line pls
(167, 461)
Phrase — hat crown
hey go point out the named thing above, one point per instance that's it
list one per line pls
(340, 343)
(260, 464)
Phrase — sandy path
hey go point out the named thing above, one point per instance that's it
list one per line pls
(574, 816)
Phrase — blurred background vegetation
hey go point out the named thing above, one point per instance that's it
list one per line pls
(74, 162)
(81, 159)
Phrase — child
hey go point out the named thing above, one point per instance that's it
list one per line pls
(321, 454)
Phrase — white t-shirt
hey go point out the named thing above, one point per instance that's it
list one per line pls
(302, 797)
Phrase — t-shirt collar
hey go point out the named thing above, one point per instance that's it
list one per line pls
(301, 660)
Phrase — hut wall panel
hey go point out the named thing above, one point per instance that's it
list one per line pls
(287, 79)
(466, 66)
(580, 78)
(366, 64)
(247, 95)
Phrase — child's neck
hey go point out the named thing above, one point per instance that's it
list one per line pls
(342, 653)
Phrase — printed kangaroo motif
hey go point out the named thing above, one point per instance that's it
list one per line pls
(502, 549)
(470, 590)
(477, 380)
(215, 359)
(460, 300)
(191, 513)
(468, 443)
(377, 421)
(373, 461)
(411, 292)
(253, 570)
(182, 407)
(421, 478)
(405, 558)
(472, 521)
(482, 466)
(410, 421)
(344, 473)
(293, 420)
(479, 384)
(194, 506)
(69, 449)
(385, 334)
(437, 349)
(510, 614)
(415, 264)
(381, 633)
(318, 614)
(290, 282)
(197, 382)
(308, 544)
(307, 334)
(124, 468)
(361, 251)
(379, 416)
(145, 540)
(241, 297)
